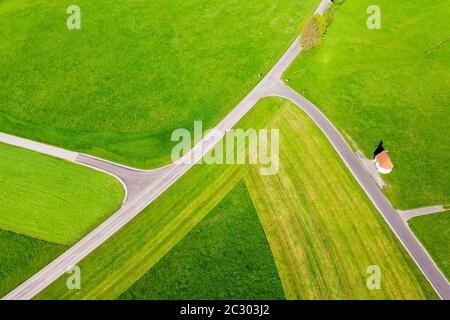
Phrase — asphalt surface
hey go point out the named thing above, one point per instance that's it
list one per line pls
(39, 147)
(414, 213)
(143, 187)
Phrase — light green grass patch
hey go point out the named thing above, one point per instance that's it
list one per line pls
(434, 233)
(136, 71)
(51, 199)
(389, 84)
(225, 257)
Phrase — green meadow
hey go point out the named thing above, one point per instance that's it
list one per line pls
(389, 84)
(322, 231)
(433, 232)
(136, 70)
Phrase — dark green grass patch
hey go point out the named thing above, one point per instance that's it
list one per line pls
(389, 84)
(21, 257)
(434, 233)
(226, 256)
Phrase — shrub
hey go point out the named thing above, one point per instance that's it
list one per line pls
(313, 31)
(311, 34)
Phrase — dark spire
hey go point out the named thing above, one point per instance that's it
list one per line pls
(379, 150)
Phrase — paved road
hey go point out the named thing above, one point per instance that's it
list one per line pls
(409, 214)
(323, 6)
(38, 147)
(397, 224)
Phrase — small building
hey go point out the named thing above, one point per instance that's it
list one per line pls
(383, 161)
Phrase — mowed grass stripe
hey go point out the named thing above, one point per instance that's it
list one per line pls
(322, 229)
(163, 241)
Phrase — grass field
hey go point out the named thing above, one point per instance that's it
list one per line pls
(21, 257)
(389, 84)
(322, 230)
(136, 70)
(433, 232)
(51, 199)
(226, 256)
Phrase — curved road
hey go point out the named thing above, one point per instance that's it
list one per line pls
(144, 187)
